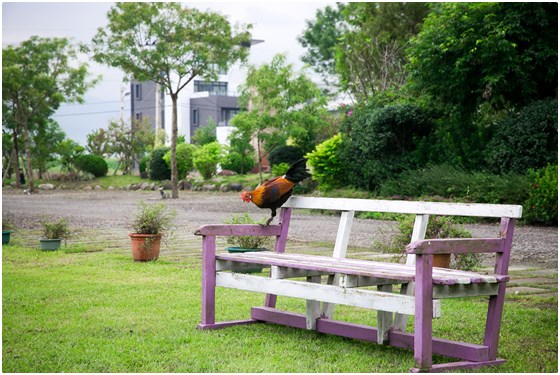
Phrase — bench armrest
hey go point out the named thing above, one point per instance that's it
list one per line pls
(238, 230)
(456, 246)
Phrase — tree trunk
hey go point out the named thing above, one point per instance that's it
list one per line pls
(30, 183)
(16, 161)
(174, 171)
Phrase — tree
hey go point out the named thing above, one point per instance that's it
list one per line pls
(171, 45)
(129, 143)
(280, 103)
(321, 37)
(45, 141)
(206, 159)
(205, 134)
(38, 76)
(97, 142)
(185, 153)
(363, 44)
(477, 61)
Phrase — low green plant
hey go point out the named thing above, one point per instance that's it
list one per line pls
(248, 242)
(159, 170)
(438, 227)
(152, 218)
(207, 158)
(93, 164)
(285, 154)
(56, 230)
(280, 169)
(542, 205)
(184, 158)
(450, 182)
(328, 171)
(7, 224)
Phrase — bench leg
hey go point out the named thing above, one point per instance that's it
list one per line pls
(313, 308)
(423, 313)
(384, 318)
(493, 319)
(208, 281)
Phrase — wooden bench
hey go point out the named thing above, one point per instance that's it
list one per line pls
(419, 286)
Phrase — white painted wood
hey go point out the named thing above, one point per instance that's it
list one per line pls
(340, 249)
(312, 307)
(384, 318)
(406, 207)
(327, 293)
(343, 234)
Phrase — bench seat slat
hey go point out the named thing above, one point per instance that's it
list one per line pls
(390, 271)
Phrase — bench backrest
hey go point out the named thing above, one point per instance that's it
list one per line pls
(406, 207)
(422, 210)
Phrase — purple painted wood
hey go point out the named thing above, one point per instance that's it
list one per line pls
(456, 349)
(221, 325)
(280, 247)
(453, 366)
(238, 230)
(423, 312)
(208, 280)
(496, 303)
(271, 315)
(456, 246)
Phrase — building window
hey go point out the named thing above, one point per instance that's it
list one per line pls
(228, 113)
(138, 91)
(139, 116)
(216, 88)
(195, 116)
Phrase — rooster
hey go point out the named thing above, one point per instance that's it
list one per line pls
(276, 191)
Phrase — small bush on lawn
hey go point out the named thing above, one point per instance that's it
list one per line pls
(184, 157)
(328, 171)
(93, 164)
(159, 170)
(207, 158)
(239, 163)
(449, 182)
(285, 154)
(542, 205)
(438, 227)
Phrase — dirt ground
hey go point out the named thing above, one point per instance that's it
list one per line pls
(533, 246)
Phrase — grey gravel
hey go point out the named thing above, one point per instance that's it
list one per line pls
(533, 246)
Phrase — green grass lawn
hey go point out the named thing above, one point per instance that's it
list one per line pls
(78, 311)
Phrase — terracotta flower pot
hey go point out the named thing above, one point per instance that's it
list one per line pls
(441, 260)
(145, 247)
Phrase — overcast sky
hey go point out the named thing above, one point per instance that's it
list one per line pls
(277, 23)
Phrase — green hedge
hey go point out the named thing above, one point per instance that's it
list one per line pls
(542, 205)
(93, 164)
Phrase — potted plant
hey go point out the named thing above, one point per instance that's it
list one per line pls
(244, 244)
(53, 234)
(150, 223)
(6, 231)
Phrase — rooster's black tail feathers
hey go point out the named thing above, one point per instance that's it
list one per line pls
(297, 171)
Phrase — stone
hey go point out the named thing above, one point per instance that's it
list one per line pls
(235, 187)
(46, 187)
(97, 187)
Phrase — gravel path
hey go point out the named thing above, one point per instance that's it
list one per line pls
(533, 246)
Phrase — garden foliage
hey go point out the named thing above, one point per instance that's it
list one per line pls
(93, 164)
(285, 154)
(326, 166)
(542, 205)
(159, 170)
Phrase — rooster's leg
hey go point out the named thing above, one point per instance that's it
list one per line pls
(272, 215)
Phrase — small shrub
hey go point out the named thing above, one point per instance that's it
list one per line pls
(184, 158)
(542, 205)
(56, 230)
(285, 154)
(280, 169)
(236, 162)
(143, 164)
(248, 242)
(328, 171)
(93, 164)
(438, 227)
(152, 219)
(159, 170)
(207, 158)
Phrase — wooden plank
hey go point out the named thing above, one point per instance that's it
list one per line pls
(406, 207)
(312, 307)
(456, 246)
(384, 318)
(318, 292)
(393, 271)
